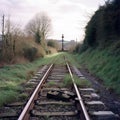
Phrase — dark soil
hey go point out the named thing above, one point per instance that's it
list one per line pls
(108, 96)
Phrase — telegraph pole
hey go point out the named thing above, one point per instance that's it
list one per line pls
(62, 42)
(3, 19)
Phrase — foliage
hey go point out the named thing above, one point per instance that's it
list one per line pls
(23, 96)
(18, 45)
(100, 51)
(79, 48)
(37, 37)
(39, 27)
(11, 36)
(69, 58)
(51, 50)
(30, 53)
(51, 84)
(102, 64)
(104, 27)
(67, 81)
(53, 43)
(79, 82)
(115, 47)
(29, 74)
(7, 96)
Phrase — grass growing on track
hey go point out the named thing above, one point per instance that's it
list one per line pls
(78, 81)
(12, 76)
(50, 84)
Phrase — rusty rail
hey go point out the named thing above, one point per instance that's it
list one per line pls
(78, 95)
(25, 113)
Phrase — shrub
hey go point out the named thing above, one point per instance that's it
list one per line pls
(51, 50)
(53, 43)
(30, 53)
(41, 52)
(115, 48)
(104, 26)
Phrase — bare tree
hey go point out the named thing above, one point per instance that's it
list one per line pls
(39, 27)
(12, 34)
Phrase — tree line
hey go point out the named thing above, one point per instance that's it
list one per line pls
(29, 43)
(103, 29)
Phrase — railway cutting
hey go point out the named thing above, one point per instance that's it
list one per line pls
(52, 96)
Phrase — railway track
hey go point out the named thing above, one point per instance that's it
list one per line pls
(51, 100)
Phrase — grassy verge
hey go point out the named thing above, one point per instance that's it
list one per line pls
(70, 59)
(12, 76)
(104, 65)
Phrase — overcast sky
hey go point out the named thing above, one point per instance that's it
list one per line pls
(69, 17)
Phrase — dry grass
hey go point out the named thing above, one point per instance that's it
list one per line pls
(19, 59)
(30, 74)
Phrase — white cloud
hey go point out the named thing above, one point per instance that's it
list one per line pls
(68, 16)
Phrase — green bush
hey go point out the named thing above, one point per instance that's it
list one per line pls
(77, 48)
(30, 53)
(53, 43)
(104, 27)
(115, 49)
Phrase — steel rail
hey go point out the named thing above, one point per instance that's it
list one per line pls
(78, 95)
(25, 113)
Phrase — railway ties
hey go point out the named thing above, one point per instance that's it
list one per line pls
(52, 103)
(50, 99)
(44, 106)
(95, 107)
(97, 110)
(11, 111)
